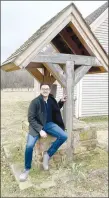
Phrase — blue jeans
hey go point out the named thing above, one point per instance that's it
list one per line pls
(52, 129)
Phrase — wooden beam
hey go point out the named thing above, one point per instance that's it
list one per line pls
(95, 69)
(64, 93)
(80, 72)
(40, 77)
(49, 80)
(47, 77)
(60, 44)
(57, 72)
(46, 72)
(60, 75)
(36, 74)
(80, 38)
(69, 104)
(62, 58)
(71, 44)
(13, 69)
(9, 67)
(64, 109)
(35, 65)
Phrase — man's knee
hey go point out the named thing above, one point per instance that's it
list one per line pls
(29, 146)
(65, 137)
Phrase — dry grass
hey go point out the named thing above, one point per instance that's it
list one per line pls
(88, 174)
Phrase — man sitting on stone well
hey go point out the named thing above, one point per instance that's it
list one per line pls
(44, 118)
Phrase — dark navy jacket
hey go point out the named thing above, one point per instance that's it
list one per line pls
(37, 114)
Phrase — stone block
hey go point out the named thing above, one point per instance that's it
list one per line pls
(83, 136)
(87, 134)
(42, 145)
(16, 170)
(80, 149)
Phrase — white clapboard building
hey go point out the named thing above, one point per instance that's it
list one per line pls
(91, 93)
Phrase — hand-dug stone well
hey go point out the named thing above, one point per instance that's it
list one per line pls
(84, 139)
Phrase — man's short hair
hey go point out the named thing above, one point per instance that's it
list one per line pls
(45, 84)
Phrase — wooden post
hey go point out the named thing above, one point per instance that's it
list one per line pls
(64, 107)
(69, 105)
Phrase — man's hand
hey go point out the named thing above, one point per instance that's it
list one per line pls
(64, 98)
(43, 134)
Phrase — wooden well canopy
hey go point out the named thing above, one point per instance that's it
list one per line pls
(54, 64)
(68, 33)
(77, 52)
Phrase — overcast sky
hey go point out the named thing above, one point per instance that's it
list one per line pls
(20, 19)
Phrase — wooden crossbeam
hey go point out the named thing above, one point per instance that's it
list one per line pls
(36, 74)
(60, 76)
(57, 72)
(63, 58)
(80, 72)
(40, 77)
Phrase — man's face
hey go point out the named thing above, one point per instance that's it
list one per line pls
(45, 90)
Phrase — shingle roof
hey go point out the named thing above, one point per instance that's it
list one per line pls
(35, 36)
(43, 28)
(94, 15)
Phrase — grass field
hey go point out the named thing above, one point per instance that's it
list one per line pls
(88, 174)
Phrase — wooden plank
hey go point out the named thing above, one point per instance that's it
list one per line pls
(63, 58)
(69, 104)
(80, 72)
